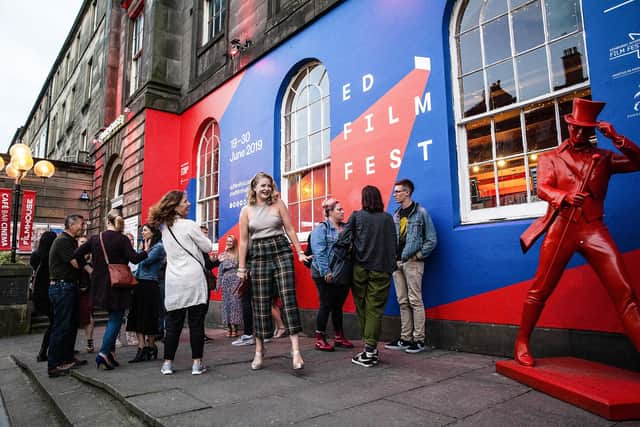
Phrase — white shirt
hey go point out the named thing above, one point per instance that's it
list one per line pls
(185, 284)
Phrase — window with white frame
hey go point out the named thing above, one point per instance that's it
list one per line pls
(136, 52)
(208, 179)
(213, 12)
(306, 134)
(518, 65)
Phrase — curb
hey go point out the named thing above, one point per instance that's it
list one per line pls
(144, 416)
(57, 409)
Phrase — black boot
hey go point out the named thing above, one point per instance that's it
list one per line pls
(141, 355)
(152, 353)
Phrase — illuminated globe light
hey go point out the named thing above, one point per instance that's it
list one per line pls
(44, 169)
(533, 157)
(476, 169)
(502, 163)
(20, 150)
(1, 163)
(22, 163)
(12, 172)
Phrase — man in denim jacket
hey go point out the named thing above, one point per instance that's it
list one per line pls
(416, 239)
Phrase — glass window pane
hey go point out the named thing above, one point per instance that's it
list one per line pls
(516, 3)
(315, 147)
(314, 93)
(563, 17)
(301, 148)
(302, 98)
(287, 157)
(512, 182)
(473, 94)
(508, 134)
(316, 74)
(540, 120)
(470, 54)
(533, 177)
(483, 189)
(533, 77)
(319, 188)
(301, 127)
(493, 8)
(326, 144)
(292, 189)
(502, 85)
(306, 216)
(479, 141)
(528, 30)
(496, 40)
(471, 15)
(568, 63)
(326, 116)
(318, 212)
(306, 190)
(294, 214)
(315, 116)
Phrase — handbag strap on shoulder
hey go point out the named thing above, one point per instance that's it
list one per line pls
(104, 251)
(185, 249)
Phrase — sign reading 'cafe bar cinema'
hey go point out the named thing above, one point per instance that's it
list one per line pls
(26, 219)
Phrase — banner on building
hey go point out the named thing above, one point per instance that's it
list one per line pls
(5, 219)
(26, 220)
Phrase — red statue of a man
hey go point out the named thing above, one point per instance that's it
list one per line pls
(574, 178)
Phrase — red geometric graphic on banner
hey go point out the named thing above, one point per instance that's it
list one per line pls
(5, 219)
(27, 216)
(371, 147)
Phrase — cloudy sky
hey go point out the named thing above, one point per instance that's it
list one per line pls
(31, 34)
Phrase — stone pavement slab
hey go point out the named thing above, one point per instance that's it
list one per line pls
(431, 388)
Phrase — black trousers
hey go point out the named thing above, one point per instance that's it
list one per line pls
(332, 297)
(247, 313)
(175, 322)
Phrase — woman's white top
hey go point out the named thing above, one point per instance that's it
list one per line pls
(185, 284)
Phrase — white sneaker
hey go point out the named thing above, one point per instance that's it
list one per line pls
(167, 368)
(244, 340)
(198, 369)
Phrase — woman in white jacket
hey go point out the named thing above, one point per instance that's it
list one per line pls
(186, 290)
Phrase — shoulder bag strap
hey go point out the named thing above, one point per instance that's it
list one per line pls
(104, 252)
(185, 249)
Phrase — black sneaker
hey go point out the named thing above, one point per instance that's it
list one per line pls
(366, 359)
(415, 347)
(398, 344)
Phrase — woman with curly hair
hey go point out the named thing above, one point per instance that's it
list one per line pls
(186, 291)
(266, 252)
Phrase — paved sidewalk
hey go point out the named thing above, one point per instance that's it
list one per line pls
(433, 388)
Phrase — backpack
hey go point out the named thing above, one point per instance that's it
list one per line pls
(308, 251)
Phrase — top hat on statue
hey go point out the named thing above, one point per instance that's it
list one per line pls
(584, 112)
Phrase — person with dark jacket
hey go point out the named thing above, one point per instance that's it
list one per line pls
(64, 272)
(113, 299)
(40, 263)
(372, 233)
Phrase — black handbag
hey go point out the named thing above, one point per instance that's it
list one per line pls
(341, 264)
(212, 280)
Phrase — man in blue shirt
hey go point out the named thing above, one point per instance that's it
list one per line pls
(416, 239)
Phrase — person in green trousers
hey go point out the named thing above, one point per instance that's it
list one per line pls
(372, 234)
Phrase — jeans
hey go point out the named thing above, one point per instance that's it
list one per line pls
(175, 322)
(408, 283)
(332, 297)
(370, 291)
(64, 302)
(247, 313)
(114, 322)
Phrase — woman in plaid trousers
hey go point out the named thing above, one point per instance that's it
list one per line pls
(265, 251)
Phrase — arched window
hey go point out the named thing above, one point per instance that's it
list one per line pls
(208, 174)
(305, 145)
(517, 66)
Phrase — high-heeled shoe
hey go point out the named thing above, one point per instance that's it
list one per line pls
(90, 347)
(256, 364)
(112, 360)
(152, 352)
(141, 355)
(296, 365)
(103, 362)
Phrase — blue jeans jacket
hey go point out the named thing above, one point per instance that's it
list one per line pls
(421, 234)
(323, 238)
(149, 268)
